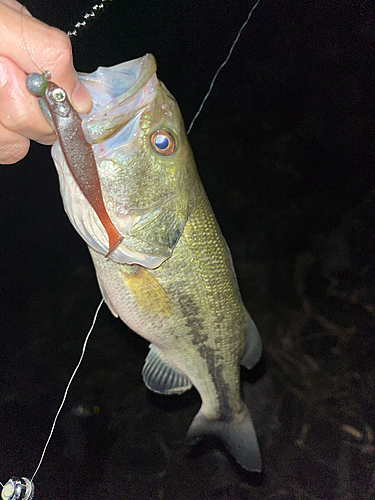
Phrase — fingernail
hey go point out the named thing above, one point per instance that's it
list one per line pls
(3, 74)
(81, 98)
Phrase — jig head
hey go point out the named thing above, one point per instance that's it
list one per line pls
(78, 152)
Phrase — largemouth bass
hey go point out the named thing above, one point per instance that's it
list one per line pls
(171, 277)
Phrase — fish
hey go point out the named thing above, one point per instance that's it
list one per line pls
(170, 278)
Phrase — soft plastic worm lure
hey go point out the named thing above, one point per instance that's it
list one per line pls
(77, 151)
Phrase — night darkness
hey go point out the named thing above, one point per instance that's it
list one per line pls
(285, 146)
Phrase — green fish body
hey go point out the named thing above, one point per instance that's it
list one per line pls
(172, 279)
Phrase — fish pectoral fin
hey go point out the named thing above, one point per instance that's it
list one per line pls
(237, 433)
(253, 345)
(159, 376)
(146, 290)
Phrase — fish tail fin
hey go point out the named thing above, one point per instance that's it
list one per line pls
(237, 433)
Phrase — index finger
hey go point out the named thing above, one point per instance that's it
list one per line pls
(33, 46)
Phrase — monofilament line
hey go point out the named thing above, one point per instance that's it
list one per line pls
(25, 45)
(67, 387)
(222, 66)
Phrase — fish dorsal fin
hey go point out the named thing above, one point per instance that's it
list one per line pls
(253, 345)
(159, 376)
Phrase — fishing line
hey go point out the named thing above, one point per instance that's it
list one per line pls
(23, 488)
(47, 74)
(68, 386)
(222, 66)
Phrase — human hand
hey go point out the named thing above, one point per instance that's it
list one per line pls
(26, 45)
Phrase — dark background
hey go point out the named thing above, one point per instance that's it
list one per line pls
(285, 149)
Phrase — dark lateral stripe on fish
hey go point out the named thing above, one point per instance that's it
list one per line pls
(208, 354)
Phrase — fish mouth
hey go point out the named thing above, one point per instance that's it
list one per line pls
(121, 95)
(117, 100)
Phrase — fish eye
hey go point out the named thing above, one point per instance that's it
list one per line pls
(163, 142)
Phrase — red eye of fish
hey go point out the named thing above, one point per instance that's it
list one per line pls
(163, 142)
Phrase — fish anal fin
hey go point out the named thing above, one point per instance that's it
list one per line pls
(253, 350)
(146, 290)
(159, 376)
(236, 432)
